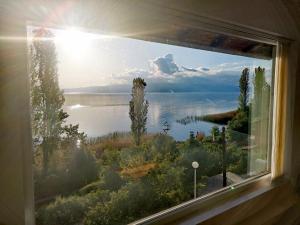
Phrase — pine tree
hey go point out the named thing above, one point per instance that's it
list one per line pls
(138, 109)
(46, 97)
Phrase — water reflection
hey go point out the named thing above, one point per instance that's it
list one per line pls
(100, 114)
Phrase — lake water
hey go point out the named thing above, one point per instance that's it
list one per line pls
(100, 114)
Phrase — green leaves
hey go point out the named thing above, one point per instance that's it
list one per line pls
(47, 100)
(244, 90)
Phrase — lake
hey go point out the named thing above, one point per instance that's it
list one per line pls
(101, 114)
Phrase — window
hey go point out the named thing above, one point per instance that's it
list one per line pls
(124, 128)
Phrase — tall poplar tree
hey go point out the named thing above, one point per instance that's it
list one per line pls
(244, 90)
(46, 97)
(138, 109)
(261, 107)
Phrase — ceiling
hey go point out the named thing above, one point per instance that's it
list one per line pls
(294, 8)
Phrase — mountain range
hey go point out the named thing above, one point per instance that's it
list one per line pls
(212, 83)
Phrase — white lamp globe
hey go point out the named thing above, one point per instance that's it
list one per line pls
(195, 165)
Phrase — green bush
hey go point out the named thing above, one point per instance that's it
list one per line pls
(92, 187)
(163, 147)
(111, 180)
(113, 212)
(63, 211)
(70, 210)
(82, 170)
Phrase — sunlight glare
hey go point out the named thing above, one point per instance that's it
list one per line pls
(77, 106)
(77, 43)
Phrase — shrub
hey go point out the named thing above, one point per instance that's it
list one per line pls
(111, 180)
(132, 157)
(83, 169)
(111, 213)
(70, 210)
(92, 187)
(163, 147)
(63, 211)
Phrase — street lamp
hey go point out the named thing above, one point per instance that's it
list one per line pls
(195, 165)
(78, 142)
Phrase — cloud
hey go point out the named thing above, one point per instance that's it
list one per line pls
(204, 69)
(135, 72)
(189, 69)
(164, 70)
(164, 65)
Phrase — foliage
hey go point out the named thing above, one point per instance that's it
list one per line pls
(244, 90)
(261, 88)
(82, 169)
(163, 147)
(215, 133)
(71, 135)
(114, 180)
(63, 211)
(237, 158)
(70, 210)
(260, 115)
(116, 200)
(111, 180)
(238, 128)
(138, 109)
(77, 170)
(132, 157)
(168, 183)
(46, 97)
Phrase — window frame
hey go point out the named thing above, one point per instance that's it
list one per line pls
(221, 200)
(215, 203)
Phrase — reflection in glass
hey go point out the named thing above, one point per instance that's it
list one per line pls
(116, 131)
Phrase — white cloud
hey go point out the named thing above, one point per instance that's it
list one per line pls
(164, 65)
(165, 69)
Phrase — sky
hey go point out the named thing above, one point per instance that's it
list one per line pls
(86, 59)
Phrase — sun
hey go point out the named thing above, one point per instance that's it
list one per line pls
(78, 44)
(74, 42)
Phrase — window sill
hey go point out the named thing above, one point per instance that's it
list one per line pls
(237, 202)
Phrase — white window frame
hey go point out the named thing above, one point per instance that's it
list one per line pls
(231, 196)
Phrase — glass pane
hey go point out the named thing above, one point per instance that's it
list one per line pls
(125, 128)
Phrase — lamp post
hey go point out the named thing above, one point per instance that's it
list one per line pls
(78, 143)
(224, 158)
(195, 165)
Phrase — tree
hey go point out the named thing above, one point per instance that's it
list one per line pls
(238, 126)
(261, 96)
(138, 109)
(192, 138)
(260, 115)
(215, 133)
(46, 97)
(82, 169)
(244, 90)
(72, 136)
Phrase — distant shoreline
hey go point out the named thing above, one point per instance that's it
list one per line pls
(163, 92)
(218, 118)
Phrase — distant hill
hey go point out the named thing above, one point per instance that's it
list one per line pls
(213, 83)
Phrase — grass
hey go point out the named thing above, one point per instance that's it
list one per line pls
(138, 171)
